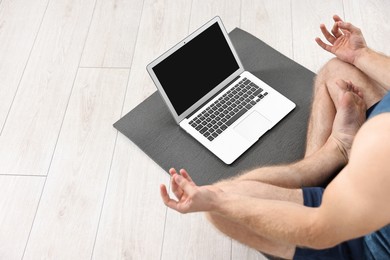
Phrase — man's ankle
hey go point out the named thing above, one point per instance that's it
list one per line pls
(336, 148)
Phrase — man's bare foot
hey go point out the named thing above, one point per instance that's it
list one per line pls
(350, 116)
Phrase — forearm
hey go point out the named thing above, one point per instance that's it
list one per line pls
(314, 170)
(375, 65)
(281, 221)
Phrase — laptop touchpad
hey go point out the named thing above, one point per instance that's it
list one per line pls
(253, 126)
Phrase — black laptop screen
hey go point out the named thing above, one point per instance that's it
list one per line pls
(196, 68)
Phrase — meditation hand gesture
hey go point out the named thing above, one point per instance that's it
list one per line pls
(347, 41)
(191, 198)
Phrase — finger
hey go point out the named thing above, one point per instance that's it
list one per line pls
(172, 171)
(336, 31)
(185, 174)
(337, 18)
(327, 34)
(166, 199)
(344, 31)
(323, 45)
(348, 27)
(175, 188)
(185, 185)
(164, 193)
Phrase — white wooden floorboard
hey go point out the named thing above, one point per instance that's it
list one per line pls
(31, 131)
(163, 24)
(19, 197)
(133, 212)
(19, 24)
(372, 18)
(190, 236)
(240, 251)
(133, 217)
(269, 21)
(203, 10)
(68, 215)
(112, 35)
(307, 15)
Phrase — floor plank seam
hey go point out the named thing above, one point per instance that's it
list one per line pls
(36, 211)
(104, 196)
(132, 59)
(189, 19)
(163, 235)
(342, 2)
(24, 69)
(292, 30)
(22, 175)
(103, 67)
(231, 249)
(240, 14)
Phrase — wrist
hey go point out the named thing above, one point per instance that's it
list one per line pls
(363, 53)
(221, 202)
(217, 200)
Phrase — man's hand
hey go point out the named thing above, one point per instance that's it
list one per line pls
(190, 198)
(346, 41)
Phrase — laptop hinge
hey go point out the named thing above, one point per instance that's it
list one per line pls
(216, 94)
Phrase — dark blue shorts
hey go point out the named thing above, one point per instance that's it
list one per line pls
(383, 106)
(353, 249)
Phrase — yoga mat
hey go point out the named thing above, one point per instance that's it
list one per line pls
(151, 127)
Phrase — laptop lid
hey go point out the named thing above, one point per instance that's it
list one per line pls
(195, 69)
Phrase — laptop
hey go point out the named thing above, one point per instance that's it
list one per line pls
(211, 96)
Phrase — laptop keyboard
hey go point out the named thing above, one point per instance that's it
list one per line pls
(217, 117)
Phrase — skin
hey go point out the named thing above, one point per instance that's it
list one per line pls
(263, 208)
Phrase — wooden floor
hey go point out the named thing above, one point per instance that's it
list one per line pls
(71, 186)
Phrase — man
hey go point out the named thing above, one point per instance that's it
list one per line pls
(268, 209)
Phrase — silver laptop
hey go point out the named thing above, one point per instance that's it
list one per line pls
(212, 97)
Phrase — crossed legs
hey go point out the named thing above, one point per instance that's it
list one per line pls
(326, 99)
(337, 105)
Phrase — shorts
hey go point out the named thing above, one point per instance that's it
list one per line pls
(352, 249)
(383, 106)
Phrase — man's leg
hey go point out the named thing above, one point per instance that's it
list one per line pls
(325, 99)
(349, 117)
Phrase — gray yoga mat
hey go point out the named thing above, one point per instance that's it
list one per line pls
(151, 127)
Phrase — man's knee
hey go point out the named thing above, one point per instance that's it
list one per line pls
(333, 68)
(330, 70)
(333, 71)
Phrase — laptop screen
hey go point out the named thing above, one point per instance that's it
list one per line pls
(196, 68)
